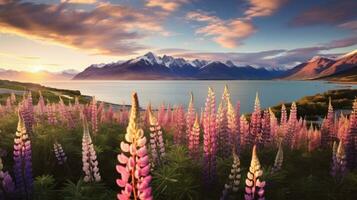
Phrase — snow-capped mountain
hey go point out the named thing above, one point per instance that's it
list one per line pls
(151, 66)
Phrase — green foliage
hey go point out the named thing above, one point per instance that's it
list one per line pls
(44, 187)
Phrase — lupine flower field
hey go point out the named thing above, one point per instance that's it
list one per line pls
(65, 149)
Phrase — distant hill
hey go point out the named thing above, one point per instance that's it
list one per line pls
(153, 67)
(36, 76)
(325, 68)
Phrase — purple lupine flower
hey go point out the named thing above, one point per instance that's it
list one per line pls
(134, 166)
(338, 168)
(210, 139)
(59, 153)
(157, 146)
(89, 157)
(7, 186)
(254, 186)
(23, 161)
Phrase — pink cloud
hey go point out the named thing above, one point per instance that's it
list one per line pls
(166, 5)
(260, 8)
(227, 33)
(79, 1)
(106, 29)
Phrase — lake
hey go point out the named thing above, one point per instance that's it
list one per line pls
(177, 92)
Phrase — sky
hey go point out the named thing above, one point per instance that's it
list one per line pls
(56, 35)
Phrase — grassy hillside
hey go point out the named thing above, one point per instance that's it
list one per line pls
(52, 94)
(315, 106)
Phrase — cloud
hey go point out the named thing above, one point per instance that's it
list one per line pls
(259, 8)
(331, 12)
(276, 58)
(79, 1)
(166, 5)
(351, 25)
(227, 33)
(106, 29)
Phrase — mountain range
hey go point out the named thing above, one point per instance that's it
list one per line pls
(153, 67)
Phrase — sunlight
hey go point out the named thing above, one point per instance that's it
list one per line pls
(35, 69)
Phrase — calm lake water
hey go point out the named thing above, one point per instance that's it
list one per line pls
(177, 92)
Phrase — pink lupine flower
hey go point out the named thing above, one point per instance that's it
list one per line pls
(194, 139)
(190, 117)
(161, 114)
(255, 123)
(291, 126)
(234, 178)
(94, 116)
(274, 126)
(233, 128)
(157, 146)
(13, 98)
(244, 130)
(89, 157)
(224, 139)
(41, 105)
(254, 186)
(51, 113)
(65, 114)
(134, 166)
(351, 139)
(266, 129)
(179, 128)
(210, 139)
(283, 120)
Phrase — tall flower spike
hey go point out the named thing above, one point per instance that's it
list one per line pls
(254, 186)
(194, 139)
(94, 116)
(279, 158)
(210, 139)
(338, 168)
(233, 128)
(157, 145)
(291, 127)
(255, 124)
(351, 139)
(190, 117)
(179, 127)
(234, 177)
(134, 166)
(23, 161)
(89, 157)
(59, 153)
(7, 186)
(224, 138)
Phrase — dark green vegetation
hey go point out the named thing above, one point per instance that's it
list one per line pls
(312, 107)
(304, 176)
